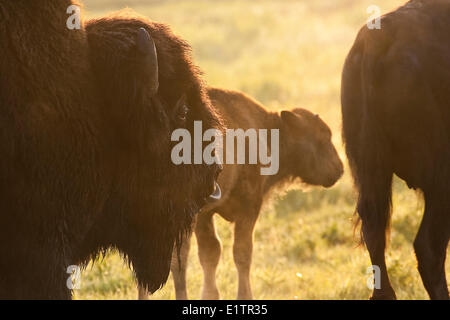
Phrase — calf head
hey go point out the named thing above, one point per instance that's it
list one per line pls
(307, 150)
(150, 88)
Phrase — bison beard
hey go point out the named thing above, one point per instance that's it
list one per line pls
(84, 169)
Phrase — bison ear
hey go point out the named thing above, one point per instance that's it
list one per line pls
(147, 49)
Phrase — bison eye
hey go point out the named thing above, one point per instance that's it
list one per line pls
(181, 111)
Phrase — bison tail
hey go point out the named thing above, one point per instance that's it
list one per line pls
(365, 146)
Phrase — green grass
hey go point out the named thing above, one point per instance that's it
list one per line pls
(285, 54)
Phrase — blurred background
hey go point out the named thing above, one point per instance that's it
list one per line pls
(285, 54)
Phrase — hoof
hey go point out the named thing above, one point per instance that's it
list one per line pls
(383, 296)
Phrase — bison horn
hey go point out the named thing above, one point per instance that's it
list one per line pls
(147, 48)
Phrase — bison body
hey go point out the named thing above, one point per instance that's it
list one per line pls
(396, 120)
(51, 173)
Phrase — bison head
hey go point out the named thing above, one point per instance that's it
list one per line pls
(308, 151)
(150, 88)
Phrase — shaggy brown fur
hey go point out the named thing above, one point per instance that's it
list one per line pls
(306, 152)
(84, 168)
(113, 55)
(396, 120)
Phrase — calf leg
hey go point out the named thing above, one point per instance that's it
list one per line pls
(242, 253)
(431, 245)
(209, 250)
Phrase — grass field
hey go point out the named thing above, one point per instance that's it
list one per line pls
(285, 54)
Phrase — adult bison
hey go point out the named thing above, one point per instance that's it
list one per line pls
(83, 167)
(306, 153)
(396, 120)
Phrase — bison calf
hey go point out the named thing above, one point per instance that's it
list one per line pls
(306, 152)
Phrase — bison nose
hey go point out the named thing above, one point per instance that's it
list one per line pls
(333, 178)
(219, 168)
(216, 195)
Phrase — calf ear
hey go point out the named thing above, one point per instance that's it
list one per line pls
(291, 119)
(147, 50)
